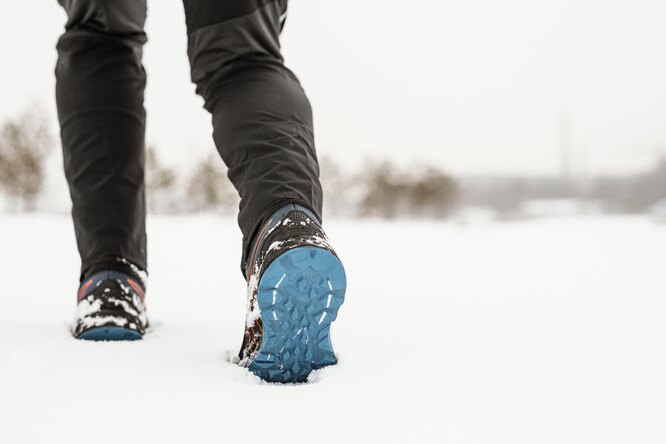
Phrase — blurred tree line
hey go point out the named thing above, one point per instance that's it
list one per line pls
(381, 189)
(635, 193)
(378, 189)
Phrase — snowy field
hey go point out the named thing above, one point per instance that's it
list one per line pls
(545, 331)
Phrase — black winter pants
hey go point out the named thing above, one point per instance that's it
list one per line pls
(262, 120)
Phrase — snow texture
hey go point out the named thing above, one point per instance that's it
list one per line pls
(546, 331)
(253, 312)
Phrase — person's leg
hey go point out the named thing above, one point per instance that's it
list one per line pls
(263, 130)
(262, 119)
(99, 92)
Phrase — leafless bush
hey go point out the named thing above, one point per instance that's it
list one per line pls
(160, 181)
(431, 193)
(383, 191)
(25, 143)
(390, 193)
(209, 189)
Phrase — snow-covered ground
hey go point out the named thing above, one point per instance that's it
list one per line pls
(550, 331)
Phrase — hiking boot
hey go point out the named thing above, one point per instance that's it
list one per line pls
(110, 308)
(296, 284)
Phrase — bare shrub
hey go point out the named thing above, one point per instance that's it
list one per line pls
(25, 143)
(431, 193)
(209, 189)
(383, 191)
(390, 193)
(160, 181)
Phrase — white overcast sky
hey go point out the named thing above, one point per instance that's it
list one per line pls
(475, 86)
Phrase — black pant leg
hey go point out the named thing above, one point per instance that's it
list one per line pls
(262, 119)
(99, 92)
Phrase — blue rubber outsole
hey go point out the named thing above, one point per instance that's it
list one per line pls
(110, 334)
(299, 296)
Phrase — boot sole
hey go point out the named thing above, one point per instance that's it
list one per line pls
(110, 334)
(299, 296)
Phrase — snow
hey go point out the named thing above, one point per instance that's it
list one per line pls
(541, 331)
